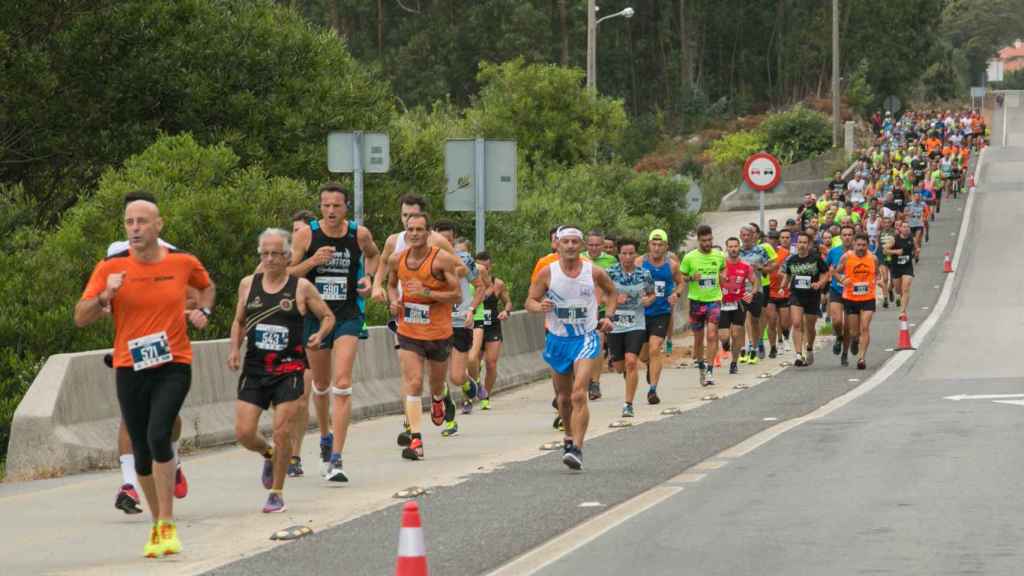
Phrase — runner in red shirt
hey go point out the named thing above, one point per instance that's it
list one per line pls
(737, 281)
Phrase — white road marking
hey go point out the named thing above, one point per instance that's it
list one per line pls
(960, 397)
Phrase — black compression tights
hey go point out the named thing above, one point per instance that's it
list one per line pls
(150, 400)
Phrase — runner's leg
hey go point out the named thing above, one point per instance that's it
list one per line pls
(344, 352)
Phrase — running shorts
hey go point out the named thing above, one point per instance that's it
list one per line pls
(462, 339)
(854, 307)
(432, 350)
(355, 326)
(702, 313)
(263, 391)
(624, 343)
(562, 352)
(809, 301)
(658, 325)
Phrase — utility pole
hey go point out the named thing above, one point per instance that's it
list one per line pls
(835, 75)
(592, 44)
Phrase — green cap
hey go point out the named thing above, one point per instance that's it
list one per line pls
(658, 234)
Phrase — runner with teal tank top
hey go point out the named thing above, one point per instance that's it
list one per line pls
(493, 309)
(629, 329)
(701, 270)
(664, 269)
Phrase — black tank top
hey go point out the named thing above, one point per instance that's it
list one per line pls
(336, 280)
(273, 330)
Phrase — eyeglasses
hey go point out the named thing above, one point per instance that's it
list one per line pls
(271, 254)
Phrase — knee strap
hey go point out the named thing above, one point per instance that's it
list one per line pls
(319, 392)
(335, 391)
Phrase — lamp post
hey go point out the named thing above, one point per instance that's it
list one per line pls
(592, 22)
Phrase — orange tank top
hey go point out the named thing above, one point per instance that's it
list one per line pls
(423, 318)
(861, 271)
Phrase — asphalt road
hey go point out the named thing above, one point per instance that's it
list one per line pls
(492, 518)
(903, 480)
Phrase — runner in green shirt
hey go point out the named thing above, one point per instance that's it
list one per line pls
(702, 269)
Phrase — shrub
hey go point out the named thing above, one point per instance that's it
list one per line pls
(734, 148)
(797, 134)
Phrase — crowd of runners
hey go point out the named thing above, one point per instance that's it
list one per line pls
(607, 304)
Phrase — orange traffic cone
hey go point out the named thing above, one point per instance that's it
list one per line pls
(947, 263)
(412, 552)
(904, 339)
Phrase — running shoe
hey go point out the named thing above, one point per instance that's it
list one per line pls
(326, 443)
(451, 428)
(153, 549)
(169, 538)
(467, 407)
(485, 404)
(449, 406)
(267, 473)
(469, 388)
(774, 352)
(295, 467)
(837, 346)
(627, 411)
(573, 458)
(437, 411)
(855, 346)
(843, 360)
(733, 368)
(405, 436)
(709, 377)
(744, 359)
(753, 358)
(127, 500)
(275, 503)
(180, 483)
(810, 358)
(481, 392)
(652, 396)
(861, 365)
(760, 352)
(414, 451)
(558, 424)
(335, 472)
(595, 391)
(799, 360)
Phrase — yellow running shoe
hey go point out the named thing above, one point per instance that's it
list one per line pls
(169, 538)
(153, 549)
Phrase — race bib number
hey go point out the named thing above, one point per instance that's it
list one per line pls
(414, 313)
(706, 282)
(488, 319)
(729, 306)
(271, 337)
(901, 260)
(802, 282)
(332, 288)
(149, 351)
(573, 312)
(860, 288)
(625, 318)
(659, 288)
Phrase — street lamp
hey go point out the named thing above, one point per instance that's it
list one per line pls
(592, 22)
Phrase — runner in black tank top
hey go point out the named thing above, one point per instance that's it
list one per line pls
(273, 330)
(336, 280)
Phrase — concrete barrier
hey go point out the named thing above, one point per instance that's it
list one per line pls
(807, 177)
(67, 422)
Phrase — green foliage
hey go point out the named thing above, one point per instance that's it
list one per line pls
(211, 206)
(717, 181)
(735, 147)
(797, 134)
(546, 110)
(858, 92)
(1012, 81)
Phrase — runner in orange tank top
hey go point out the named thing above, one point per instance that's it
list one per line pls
(858, 273)
(430, 286)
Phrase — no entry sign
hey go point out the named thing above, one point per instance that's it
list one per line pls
(762, 171)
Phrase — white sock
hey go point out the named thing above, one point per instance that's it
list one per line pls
(177, 459)
(128, 470)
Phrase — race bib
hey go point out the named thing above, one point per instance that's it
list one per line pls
(860, 288)
(901, 260)
(659, 288)
(271, 337)
(149, 351)
(705, 282)
(332, 288)
(573, 312)
(625, 318)
(488, 320)
(414, 313)
(802, 282)
(728, 306)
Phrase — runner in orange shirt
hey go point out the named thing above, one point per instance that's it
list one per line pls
(778, 295)
(145, 288)
(857, 271)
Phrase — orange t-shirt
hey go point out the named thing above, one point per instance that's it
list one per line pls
(151, 301)
(423, 318)
(775, 288)
(542, 262)
(861, 271)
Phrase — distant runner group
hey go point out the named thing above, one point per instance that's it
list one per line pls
(300, 315)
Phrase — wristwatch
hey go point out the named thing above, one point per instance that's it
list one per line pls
(206, 312)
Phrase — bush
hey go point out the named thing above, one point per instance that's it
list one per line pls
(734, 148)
(212, 207)
(858, 92)
(797, 134)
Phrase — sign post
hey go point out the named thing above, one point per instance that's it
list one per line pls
(358, 153)
(481, 177)
(762, 172)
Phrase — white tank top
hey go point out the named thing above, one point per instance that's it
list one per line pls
(575, 312)
(399, 246)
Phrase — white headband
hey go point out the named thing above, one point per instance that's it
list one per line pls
(569, 232)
